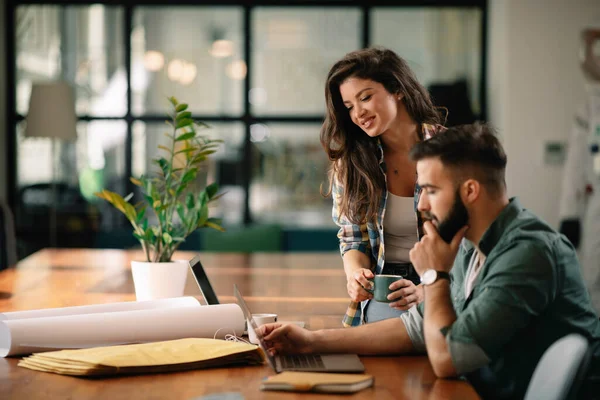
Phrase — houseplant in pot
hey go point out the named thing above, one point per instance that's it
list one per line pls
(170, 200)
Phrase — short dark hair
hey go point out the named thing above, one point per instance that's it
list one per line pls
(472, 151)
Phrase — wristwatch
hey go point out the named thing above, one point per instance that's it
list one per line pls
(431, 275)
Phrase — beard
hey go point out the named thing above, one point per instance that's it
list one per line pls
(456, 219)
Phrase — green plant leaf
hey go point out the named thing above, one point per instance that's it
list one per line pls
(181, 213)
(184, 122)
(167, 238)
(182, 115)
(214, 226)
(185, 136)
(156, 204)
(198, 159)
(131, 213)
(206, 152)
(136, 182)
(202, 198)
(140, 215)
(164, 165)
(173, 101)
(217, 197)
(202, 124)
(186, 150)
(189, 201)
(218, 221)
(165, 148)
(212, 189)
(202, 215)
(181, 107)
(189, 176)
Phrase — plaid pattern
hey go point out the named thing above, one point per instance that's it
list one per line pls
(368, 237)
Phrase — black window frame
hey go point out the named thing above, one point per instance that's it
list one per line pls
(247, 118)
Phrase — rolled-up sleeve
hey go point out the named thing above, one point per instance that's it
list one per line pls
(413, 322)
(515, 290)
(351, 236)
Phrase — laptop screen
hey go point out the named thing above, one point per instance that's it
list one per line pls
(210, 297)
(252, 325)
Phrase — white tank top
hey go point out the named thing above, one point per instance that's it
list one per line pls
(399, 228)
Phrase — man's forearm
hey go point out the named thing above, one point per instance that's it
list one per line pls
(439, 314)
(384, 337)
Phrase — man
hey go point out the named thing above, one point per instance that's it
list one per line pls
(515, 285)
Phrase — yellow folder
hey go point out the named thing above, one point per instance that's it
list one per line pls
(167, 356)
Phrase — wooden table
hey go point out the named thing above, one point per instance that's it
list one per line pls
(301, 286)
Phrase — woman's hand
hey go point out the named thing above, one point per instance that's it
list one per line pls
(405, 294)
(358, 281)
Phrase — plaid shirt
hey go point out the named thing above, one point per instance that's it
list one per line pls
(368, 237)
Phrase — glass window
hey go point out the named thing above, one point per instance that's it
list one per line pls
(292, 52)
(224, 166)
(80, 44)
(59, 178)
(289, 168)
(193, 53)
(443, 48)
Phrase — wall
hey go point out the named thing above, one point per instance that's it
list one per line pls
(3, 150)
(534, 86)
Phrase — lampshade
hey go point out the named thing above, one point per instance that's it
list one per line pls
(52, 111)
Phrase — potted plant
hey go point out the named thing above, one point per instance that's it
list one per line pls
(176, 208)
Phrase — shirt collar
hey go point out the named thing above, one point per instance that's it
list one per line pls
(496, 230)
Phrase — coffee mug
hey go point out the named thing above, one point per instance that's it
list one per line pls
(381, 287)
(260, 319)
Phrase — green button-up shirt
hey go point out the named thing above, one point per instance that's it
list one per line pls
(528, 294)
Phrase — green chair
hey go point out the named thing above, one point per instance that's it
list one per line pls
(248, 239)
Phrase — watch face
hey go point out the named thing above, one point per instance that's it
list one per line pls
(429, 277)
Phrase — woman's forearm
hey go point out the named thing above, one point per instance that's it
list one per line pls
(355, 260)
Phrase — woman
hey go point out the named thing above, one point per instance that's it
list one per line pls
(376, 112)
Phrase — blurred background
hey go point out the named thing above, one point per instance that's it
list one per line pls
(255, 74)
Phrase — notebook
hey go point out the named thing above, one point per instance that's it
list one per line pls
(303, 362)
(317, 382)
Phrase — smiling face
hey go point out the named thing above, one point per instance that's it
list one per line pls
(370, 105)
(440, 200)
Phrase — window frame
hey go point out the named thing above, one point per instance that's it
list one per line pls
(246, 118)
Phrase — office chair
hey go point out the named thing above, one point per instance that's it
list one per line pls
(561, 370)
(8, 240)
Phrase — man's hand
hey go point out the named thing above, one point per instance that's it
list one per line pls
(432, 252)
(286, 339)
(405, 294)
(358, 283)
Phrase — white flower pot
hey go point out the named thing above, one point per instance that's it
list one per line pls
(159, 280)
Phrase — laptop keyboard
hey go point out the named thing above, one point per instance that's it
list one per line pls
(302, 362)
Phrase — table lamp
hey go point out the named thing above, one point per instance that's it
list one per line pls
(52, 115)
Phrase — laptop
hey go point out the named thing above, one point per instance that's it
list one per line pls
(209, 295)
(302, 362)
(206, 289)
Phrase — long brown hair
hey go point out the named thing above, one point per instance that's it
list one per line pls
(354, 155)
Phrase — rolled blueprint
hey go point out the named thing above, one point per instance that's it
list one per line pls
(25, 336)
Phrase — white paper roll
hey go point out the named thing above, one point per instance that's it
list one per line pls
(102, 308)
(25, 336)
